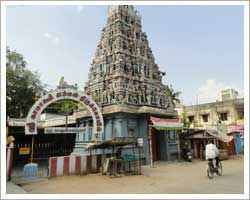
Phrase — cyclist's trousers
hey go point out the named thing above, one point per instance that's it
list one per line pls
(217, 161)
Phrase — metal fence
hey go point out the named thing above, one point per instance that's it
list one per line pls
(41, 154)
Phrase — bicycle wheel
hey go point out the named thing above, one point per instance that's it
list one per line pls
(219, 169)
(210, 173)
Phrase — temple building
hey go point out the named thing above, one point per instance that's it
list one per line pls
(126, 83)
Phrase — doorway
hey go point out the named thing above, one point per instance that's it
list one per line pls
(164, 145)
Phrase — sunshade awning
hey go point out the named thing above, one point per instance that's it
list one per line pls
(220, 135)
(166, 124)
(236, 128)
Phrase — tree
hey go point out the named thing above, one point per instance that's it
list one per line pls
(67, 107)
(22, 85)
(169, 91)
(14, 60)
(184, 120)
(64, 106)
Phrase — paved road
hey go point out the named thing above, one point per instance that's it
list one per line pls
(165, 178)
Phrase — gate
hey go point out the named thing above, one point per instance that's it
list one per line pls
(41, 154)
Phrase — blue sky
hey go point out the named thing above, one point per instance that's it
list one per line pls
(199, 47)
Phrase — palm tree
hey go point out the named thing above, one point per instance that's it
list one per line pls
(67, 107)
(173, 95)
(64, 106)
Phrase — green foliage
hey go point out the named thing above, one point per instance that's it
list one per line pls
(184, 120)
(65, 106)
(169, 91)
(22, 85)
(14, 60)
(68, 106)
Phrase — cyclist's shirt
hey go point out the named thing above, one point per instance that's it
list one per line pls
(211, 151)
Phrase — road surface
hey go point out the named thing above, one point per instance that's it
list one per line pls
(165, 178)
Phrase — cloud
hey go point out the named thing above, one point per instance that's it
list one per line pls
(47, 35)
(79, 9)
(210, 91)
(54, 39)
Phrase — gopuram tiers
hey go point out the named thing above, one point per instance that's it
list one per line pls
(124, 71)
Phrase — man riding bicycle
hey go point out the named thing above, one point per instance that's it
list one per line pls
(212, 152)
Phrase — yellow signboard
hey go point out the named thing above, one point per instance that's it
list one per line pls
(24, 151)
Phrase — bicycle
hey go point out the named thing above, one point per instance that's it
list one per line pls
(211, 170)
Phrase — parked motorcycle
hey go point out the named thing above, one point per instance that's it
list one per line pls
(189, 156)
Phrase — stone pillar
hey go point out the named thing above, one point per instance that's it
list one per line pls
(79, 144)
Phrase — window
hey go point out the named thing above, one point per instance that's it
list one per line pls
(223, 116)
(191, 119)
(204, 118)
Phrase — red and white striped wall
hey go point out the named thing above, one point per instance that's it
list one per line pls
(65, 165)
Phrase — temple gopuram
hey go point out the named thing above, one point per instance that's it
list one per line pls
(126, 83)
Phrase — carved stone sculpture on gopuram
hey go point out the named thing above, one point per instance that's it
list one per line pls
(124, 70)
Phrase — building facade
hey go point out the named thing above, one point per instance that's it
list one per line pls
(229, 112)
(201, 117)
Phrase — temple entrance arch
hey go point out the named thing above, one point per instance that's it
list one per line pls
(59, 94)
